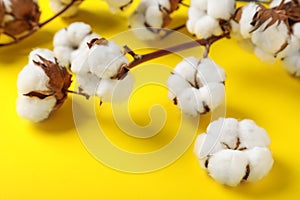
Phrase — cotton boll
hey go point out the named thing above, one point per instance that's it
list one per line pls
(292, 47)
(35, 109)
(187, 69)
(176, 84)
(220, 9)
(248, 13)
(32, 78)
(260, 163)
(207, 26)
(228, 166)
(77, 31)
(88, 82)
(224, 131)
(252, 135)
(209, 71)
(106, 60)
(200, 4)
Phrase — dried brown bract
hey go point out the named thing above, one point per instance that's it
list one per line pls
(59, 81)
(19, 16)
(288, 13)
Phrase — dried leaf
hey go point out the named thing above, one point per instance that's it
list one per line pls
(238, 14)
(97, 41)
(59, 80)
(288, 13)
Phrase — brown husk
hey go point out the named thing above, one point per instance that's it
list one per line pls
(59, 81)
(26, 15)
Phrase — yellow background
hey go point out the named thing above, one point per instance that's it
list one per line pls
(48, 161)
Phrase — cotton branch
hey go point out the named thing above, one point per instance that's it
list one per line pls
(139, 59)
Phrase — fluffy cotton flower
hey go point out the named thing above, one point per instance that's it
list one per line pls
(205, 16)
(233, 152)
(197, 86)
(151, 16)
(58, 5)
(118, 5)
(270, 38)
(96, 64)
(68, 40)
(42, 86)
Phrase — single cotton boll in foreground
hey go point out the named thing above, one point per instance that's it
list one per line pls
(233, 152)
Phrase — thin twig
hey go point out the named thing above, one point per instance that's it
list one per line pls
(79, 93)
(38, 26)
(163, 52)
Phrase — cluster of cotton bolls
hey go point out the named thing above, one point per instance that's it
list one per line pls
(269, 41)
(58, 5)
(197, 86)
(206, 16)
(234, 151)
(151, 16)
(95, 61)
(42, 86)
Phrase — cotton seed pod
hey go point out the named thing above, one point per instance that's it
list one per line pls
(233, 152)
(19, 17)
(197, 86)
(42, 82)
